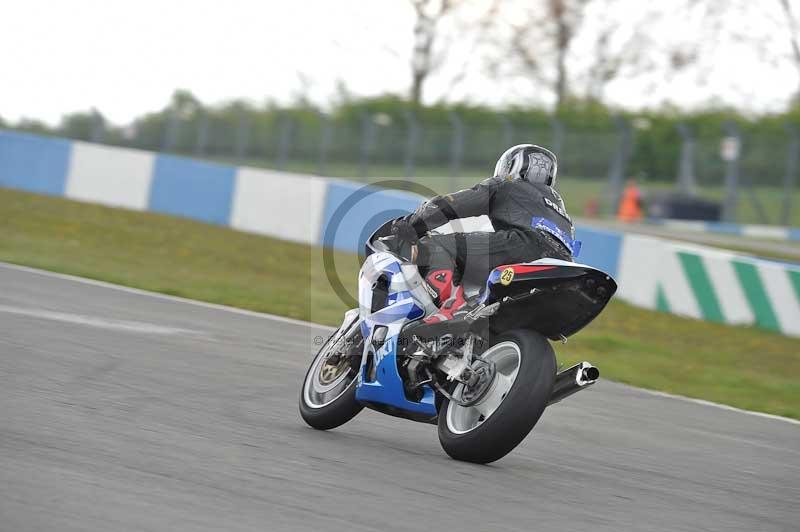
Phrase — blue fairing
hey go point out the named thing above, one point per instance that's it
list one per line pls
(401, 308)
(387, 388)
(494, 278)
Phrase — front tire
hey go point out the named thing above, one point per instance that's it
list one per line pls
(487, 431)
(328, 398)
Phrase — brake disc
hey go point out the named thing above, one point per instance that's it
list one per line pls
(472, 394)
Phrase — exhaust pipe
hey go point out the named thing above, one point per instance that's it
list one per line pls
(572, 380)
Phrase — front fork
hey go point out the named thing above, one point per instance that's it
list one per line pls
(344, 334)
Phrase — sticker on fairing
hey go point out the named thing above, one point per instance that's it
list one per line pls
(574, 246)
(558, 208)
(507, 276)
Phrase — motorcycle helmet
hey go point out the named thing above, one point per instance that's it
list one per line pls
(530, 162)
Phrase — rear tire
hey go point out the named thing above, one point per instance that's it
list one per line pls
(335, 407)
(519, 409)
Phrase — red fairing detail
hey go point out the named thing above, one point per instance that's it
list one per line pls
(525, 269)
(442, 282)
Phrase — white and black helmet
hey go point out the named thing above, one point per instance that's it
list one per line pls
(529, 162)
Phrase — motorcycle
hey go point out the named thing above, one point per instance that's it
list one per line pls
(484, 378)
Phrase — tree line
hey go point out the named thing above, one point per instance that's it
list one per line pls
(585, 132)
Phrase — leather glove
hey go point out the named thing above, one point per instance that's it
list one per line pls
(404, 231)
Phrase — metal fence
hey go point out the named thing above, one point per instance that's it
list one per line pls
(754, 177)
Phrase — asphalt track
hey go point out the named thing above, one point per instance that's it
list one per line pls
(123, 411)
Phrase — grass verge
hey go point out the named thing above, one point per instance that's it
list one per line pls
(739, 366)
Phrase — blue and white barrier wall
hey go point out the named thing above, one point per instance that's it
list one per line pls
(248, 199)
(685, 279)
(697, 281)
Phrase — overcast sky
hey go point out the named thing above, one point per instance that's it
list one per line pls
(127, 57)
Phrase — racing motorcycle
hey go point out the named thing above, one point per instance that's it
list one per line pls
(483, 378)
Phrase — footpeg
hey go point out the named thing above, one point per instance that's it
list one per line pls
(481, 311)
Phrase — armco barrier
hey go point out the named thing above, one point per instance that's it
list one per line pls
(654, 273)
(709, 284)
(193, 189)
(278, 204)
(600, 249)
(37, 164)
(774, 232)
(352, 212)
(248, 199)
(116, 177)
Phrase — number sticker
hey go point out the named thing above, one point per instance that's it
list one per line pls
(507, 276)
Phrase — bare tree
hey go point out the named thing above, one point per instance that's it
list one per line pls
(742, 28)
(428, 15)
(442, 27)
(606, 62)
(577, 47)
(793, 35)
(542, 39)
(567, 17)
(628, 49)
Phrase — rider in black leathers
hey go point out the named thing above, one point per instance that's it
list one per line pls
(528, 216)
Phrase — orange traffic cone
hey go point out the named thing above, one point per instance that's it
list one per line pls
(630, 207)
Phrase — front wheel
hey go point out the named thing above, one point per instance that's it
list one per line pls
(328, 397)
(525, 372)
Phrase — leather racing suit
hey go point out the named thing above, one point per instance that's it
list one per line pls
(529, 220)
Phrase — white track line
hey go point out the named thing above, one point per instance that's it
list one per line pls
(716, 405)
(93, 321)
(292, 321)
(166, 297)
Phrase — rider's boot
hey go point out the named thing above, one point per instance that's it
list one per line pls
(450, 296)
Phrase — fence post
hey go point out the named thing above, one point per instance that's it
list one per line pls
(133, 133)
(368, 133)
(242, 136)
(686, 176)
(729, 151)
(201, 139)
(98, 127)
(456, 147)
(508, 133)
(284, 140)
(325, 138)
(557, 127)
(619, 162)
(171, 130)
(410, 156)
(790, 177)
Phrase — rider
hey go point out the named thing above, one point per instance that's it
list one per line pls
(528, 216)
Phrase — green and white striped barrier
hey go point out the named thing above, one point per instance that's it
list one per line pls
(709, 284)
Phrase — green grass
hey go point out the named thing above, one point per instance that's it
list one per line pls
(577, 191)
(740, 366)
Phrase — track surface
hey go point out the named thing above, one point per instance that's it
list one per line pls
(127, 412)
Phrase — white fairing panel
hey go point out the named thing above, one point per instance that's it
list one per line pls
(418, 288)
(405, 277)
(559, 262)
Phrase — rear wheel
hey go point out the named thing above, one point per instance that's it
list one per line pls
(328, 396)
(525, 372)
